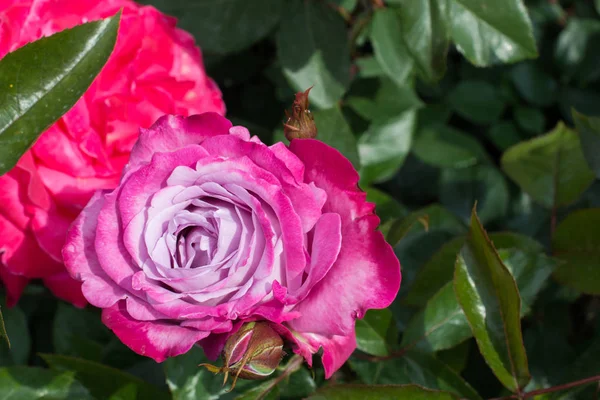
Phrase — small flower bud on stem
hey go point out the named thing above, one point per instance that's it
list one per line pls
(253, 352)
(300, 123)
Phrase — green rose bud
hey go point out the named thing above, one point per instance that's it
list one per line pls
(253, 352)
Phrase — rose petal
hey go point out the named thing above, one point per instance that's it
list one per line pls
(155, 339)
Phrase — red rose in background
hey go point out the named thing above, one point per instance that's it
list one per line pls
(155, 69)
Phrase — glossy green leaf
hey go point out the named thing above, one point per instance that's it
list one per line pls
(384, 147)
(578, 50)
(102, 381)
(15, 322)
(534, 84)
(577, 243)
(313, 50)
(426, 35)
(597, 3)
(231, 26)
(266, 390)
(477, 101)
(492, 32)
(589, 133)
(414, 368)
(432, 216)
(372, 332)
(32, 383)
(550, 168)
(489, 297)
(387, 392)
(334, 130)
(32, 98)
(446, 147)
(390, 50)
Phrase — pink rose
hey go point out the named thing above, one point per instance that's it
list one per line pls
(210, 228)
(154, 69)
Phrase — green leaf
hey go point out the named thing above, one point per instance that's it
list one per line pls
(589, 133)
(446, 147)
(313, 50)
(380, 100)
(426, 35)
(477, 101)
(334, 130)
(188, 381)
(492, 32)
(534, 84)
(577, 243)
(529, 271)
(461, 188)
(384, 147)
(597, 3)
(265, 391)
(32, 97)
(489, 297)
(550, 168)
(417, 368)
(16, 328)
(32, 383)
(436, 273)
(440, 325)
(387, 392)
(530, 119)
(79, 332)
(102, 381)
(504, 135)
(390, 50)
(373, 330)
(578, 51)
(232, 26)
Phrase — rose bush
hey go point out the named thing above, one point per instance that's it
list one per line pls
(210, 228)
(154, 69)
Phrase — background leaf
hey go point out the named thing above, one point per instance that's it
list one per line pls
(32, 98)
(577, 243)
(30, 383)
(230, 27)
(589, 132)
(551, 168)
(488, 33)
(312, 48)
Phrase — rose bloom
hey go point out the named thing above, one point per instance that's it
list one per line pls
(210, 228)
(154, 69)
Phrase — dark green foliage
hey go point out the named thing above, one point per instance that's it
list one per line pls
(440, 105)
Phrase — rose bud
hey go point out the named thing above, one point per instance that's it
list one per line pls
(301, 124)
(253, 352)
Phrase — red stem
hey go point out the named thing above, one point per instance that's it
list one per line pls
(557, 388)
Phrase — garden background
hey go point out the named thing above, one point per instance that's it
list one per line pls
(443, 106)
